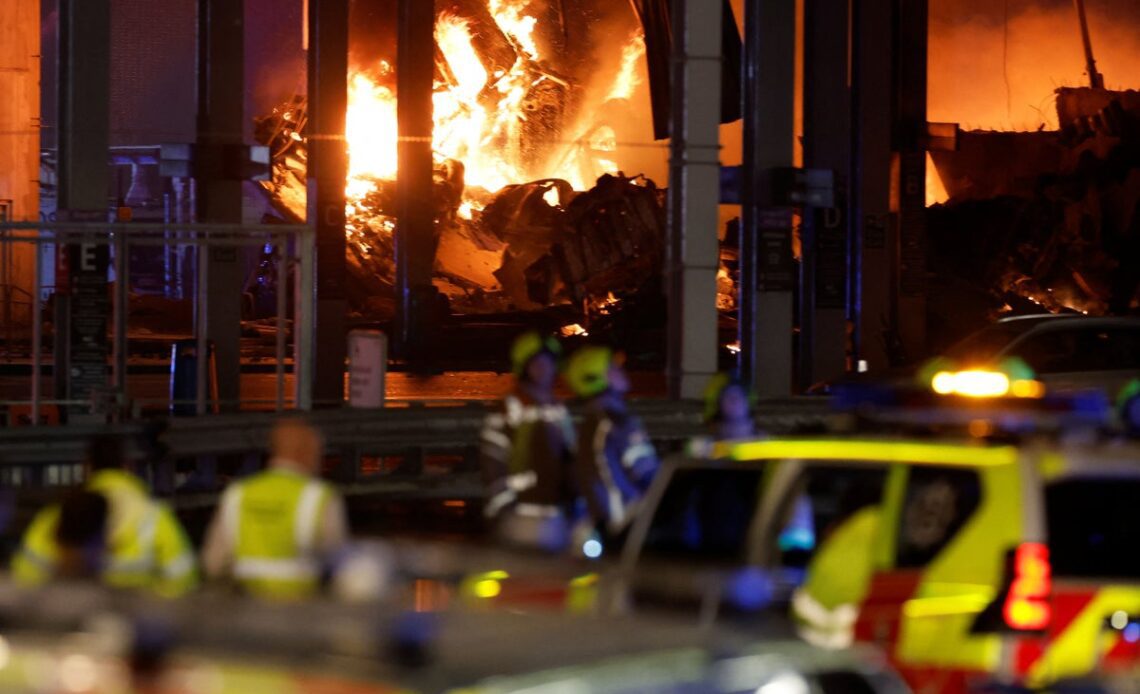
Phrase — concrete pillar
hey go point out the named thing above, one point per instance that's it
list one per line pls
(871, 178)
(221, 121)
(415, 211)
(20, 153)
(83, 182)
(328, 169)
(694, 193)
(827, 145)
(909, 189)
(769, 143)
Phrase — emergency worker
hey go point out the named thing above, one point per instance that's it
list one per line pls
(527, 451)
(616, 460)
(826, 606)
(142, 545)
(276, 533)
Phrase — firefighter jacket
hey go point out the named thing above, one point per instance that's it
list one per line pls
(146, 545)
(276, 533)
(616, 462)
(527, 452)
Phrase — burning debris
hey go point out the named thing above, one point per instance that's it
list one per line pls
(1055, 215)
(503, 115)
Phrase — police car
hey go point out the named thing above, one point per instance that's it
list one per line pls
(983, 532)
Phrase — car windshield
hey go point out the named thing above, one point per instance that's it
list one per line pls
(1092, 528)
(987, 342)
(705, 513)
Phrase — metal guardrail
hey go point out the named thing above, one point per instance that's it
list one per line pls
(294, 251)
(408, 435)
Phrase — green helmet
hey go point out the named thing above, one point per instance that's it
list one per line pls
(587, 374)
(528, 346)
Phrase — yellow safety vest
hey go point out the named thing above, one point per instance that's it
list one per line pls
(272, 520)
(147, 547)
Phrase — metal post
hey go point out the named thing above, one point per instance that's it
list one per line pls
(201, 327)
(1096, 80)
(415, 226)
(279, 257)
(122, 294)
(37, 335)
(769, 91)
(303, 322)
(694, 181)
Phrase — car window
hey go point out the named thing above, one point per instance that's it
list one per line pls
(1087, 349)
(983, 345)
(705, 513)
(937, 503)
(823, 498)
(1092, 527)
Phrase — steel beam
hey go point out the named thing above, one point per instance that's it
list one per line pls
(767, 269)
(415, 211)
(694, 184)
(328, 170)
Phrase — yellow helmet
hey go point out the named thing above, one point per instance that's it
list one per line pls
(528, 346)
(587, 374)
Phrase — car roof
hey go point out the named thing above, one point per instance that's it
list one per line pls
(1067, 319)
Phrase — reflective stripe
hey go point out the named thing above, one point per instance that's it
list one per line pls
(306, 519)
(519, 482)
(181, 566)
(615, 507)
(276, 569)
(144, 562)
(522, 481)
(497, 438)
(518, 413)
(823, 627)
(37, 560)
(498, 501)
(635, 453)
(538, 510)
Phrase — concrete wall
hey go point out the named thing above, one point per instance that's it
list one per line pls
(19, 147)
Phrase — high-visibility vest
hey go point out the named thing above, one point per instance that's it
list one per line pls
(272, 519)
(146, 545)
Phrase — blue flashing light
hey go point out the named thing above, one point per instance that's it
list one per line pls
(592, 548)
(750, 589)
(1132, 632)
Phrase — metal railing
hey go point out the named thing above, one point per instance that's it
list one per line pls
(294, 256)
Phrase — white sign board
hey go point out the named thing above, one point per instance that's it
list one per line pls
(367, 367)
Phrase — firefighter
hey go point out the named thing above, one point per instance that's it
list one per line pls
(616, 460)
(527, 451)
(144, 546)
(728, 408)
(277, 533)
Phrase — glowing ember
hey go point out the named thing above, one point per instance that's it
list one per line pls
(573, 330)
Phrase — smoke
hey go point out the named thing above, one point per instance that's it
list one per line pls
(994, 64)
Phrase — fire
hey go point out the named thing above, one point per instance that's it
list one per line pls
(478, 116)
(628, 79)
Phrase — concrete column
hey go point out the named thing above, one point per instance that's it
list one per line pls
(694, 193)
(827, 145)
(328, 169)
(871, 178)
(415, 211)
(84, 178)
(769, 142)
(221, 121)
(909, 190)
(20, 153)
